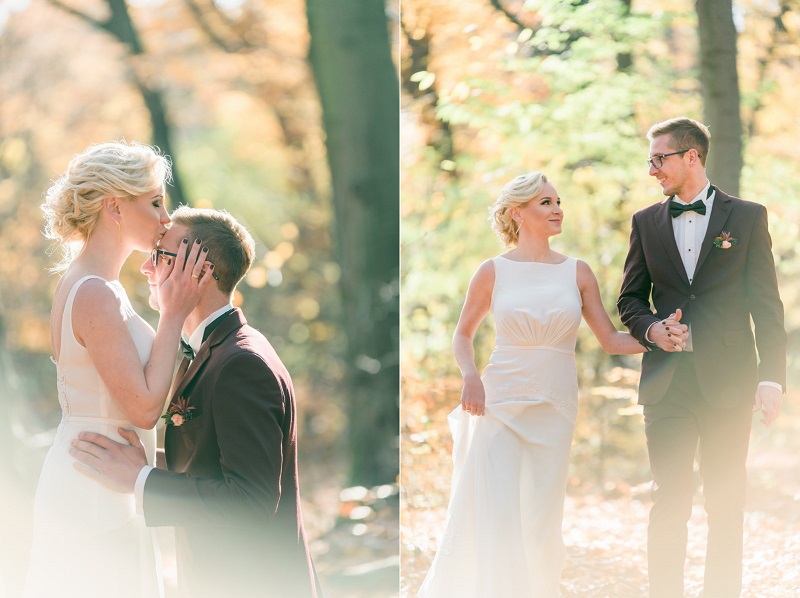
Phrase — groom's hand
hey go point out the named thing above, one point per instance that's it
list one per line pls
(112, 464)
(669, 334)
(768, 399)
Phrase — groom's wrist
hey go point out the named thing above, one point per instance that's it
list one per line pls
(772, 384)
(646, 341)
(138, 488)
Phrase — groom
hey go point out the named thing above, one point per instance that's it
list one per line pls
(709, 254)
(230, 487)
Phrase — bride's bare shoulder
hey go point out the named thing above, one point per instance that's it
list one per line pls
(485, 273)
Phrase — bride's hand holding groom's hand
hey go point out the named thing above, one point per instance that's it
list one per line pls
(473, 395)
(669, 334)
(114, 465)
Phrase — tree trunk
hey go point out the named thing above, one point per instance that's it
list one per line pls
(120, 25)
(162, 137)
(350, 55)
(719, 81)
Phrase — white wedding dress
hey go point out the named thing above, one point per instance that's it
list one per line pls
(502, 535)
(88, 541)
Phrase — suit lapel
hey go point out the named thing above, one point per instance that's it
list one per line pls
(663, 222)
(190, 372)
(182, 367)
(719, 216)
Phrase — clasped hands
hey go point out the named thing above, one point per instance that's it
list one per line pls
(669, 334)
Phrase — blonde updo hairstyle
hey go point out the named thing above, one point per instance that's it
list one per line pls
(516, 193)
(74, 202)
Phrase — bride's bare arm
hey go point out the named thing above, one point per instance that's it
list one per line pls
(611, 340)
(99, 326)
(476, 306)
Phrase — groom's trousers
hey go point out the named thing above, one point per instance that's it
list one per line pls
(674, 427)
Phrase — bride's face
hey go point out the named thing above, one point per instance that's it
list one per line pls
(163, 250)
(542, 215)
(144, 219)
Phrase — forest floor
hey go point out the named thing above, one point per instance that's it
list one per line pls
(605, 527)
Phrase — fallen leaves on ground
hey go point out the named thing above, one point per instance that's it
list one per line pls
(605, 527)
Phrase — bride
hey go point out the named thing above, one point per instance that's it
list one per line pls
(502, 536)
(112, 369)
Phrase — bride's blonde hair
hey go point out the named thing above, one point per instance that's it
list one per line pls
(73, 204)
(517, 192)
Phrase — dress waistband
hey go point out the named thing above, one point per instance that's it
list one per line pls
(533, 348)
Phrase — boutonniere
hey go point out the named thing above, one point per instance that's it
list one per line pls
(725, 241)
(178, 412)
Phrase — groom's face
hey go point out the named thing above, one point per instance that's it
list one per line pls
(171, 242)
(673, 172)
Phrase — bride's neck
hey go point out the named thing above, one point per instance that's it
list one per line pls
(531, 249)
(102, 254)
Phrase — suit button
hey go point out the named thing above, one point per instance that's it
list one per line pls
(692, 297)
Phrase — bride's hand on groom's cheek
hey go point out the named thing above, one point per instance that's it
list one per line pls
(111, 463)
(182, 281)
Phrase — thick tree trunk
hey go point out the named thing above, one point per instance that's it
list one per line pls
(162, 138)
(719, 81)
(350, 55)
(120, 25)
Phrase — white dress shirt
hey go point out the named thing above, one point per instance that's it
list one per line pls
(690, 229)
(195, 340)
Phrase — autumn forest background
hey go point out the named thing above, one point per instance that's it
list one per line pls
(285, 114)
(495, 88)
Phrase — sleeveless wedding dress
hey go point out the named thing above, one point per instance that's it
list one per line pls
(502, 535)
(88, 540)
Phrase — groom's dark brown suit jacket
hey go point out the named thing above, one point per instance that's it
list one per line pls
(729, 287)
(231, 490)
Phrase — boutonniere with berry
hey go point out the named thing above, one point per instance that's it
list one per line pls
(725, 241)
(178, 412)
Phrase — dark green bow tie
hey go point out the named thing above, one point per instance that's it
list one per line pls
(677, 208)
(187, 350)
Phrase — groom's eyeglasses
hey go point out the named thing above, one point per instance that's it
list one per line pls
(156, 253)
(657, 161)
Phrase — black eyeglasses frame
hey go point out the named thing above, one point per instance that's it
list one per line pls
(660, 158)
(154, 255)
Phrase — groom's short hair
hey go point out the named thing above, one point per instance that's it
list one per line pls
(685, 133)
(230, 246)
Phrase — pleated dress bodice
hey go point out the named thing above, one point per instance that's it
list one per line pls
(537, 312)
